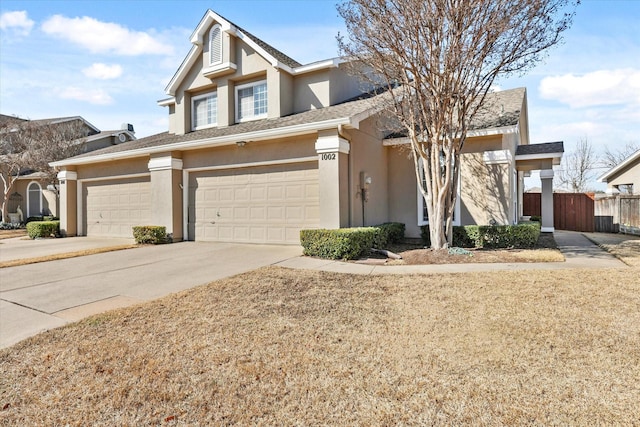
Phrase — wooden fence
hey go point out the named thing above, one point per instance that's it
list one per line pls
(571, 211)
(618, 214)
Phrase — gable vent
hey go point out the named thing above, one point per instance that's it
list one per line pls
(215, 45)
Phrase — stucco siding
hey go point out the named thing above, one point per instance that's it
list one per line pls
(370, 156)
(484, 191)
(403, 190)
(629, 175)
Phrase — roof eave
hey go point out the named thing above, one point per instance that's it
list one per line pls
(260, 135)
(614, 170)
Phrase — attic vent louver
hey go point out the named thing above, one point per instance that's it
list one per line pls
(215, 45)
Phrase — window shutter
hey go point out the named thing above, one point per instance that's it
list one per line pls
(215, 45)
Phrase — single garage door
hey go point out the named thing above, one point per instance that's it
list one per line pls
(112, 207)
(267, 204)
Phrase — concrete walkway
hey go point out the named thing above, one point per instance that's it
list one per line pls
(37, 297)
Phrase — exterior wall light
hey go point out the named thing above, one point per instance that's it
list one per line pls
(241, 143)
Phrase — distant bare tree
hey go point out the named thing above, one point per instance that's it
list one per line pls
(614, 156)
(578, 167)
(438, 59)
(27, 146)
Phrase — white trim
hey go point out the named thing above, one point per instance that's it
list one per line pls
(319, 65)
(618, 167)
(193, 110)
(29, 213)
(254, 164)
(403, 140)
(80, 195)
(185, 204)
(164, 163)
(332, 144)
(497, 157)
(237, 101)
(260, 135)
(546, 173)
(186, 180)
(555, 156)
(68, 175)
(547, 229)
(223, 66)
(166, 102)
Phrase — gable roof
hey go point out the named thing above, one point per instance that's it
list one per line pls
(635, 157)
(4, 119)
(268, 52)
(348, 113)
(500, 109)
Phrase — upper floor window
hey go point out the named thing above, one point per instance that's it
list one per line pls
(215, 45)
(251, 101)
(204, 111)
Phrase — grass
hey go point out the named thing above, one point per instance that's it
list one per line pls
(283, 347)
(65, 255)
(8, 234)
(627, 251)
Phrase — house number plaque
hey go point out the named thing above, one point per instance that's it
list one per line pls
(328, 156)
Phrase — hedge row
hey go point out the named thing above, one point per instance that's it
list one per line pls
(349, 243)
(524, 235)
(150, 234)
(37, 229)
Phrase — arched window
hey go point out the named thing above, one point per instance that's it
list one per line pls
(34, 199)
(215, 45)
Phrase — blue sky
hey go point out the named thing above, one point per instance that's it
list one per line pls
(109, 61)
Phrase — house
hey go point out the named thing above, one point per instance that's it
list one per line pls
(32, 191)
(260, 146)
(626, 174)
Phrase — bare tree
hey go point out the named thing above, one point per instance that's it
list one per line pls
(614, 156)
(438, 59)
(578, 167)
(29, 146)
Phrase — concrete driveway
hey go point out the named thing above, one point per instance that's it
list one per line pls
(42, 296)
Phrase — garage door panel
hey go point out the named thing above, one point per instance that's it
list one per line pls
(113, 207)
(262, 205)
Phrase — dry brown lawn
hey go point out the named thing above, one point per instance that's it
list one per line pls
(65, 255)
(8, 234)
(284, 347)
(627, 251)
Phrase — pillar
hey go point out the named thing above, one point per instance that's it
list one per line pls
(333, 152)
(68, 212)
(546, 176)
(166, 194)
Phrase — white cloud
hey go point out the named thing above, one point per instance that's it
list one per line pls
(103, 71)
(92, 96)
(598, 88)
(105, 37)
(17, 21)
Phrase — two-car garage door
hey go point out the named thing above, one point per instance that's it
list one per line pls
(113, 207)
(266, 204)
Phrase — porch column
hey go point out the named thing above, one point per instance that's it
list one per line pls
(68, 198)
(333, 169)
(546, 205)
(166, 195)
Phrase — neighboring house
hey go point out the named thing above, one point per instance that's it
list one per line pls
(32, 191)
(260, 146)
(625, 174)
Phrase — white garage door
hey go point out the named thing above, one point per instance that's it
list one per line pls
(267, 204)
(112, 207)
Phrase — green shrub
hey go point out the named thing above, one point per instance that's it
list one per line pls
(41, 218)
(536, 218)
(389, 232)
(150, 234)
(523, 235)
(343, 243)
(37, 229)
